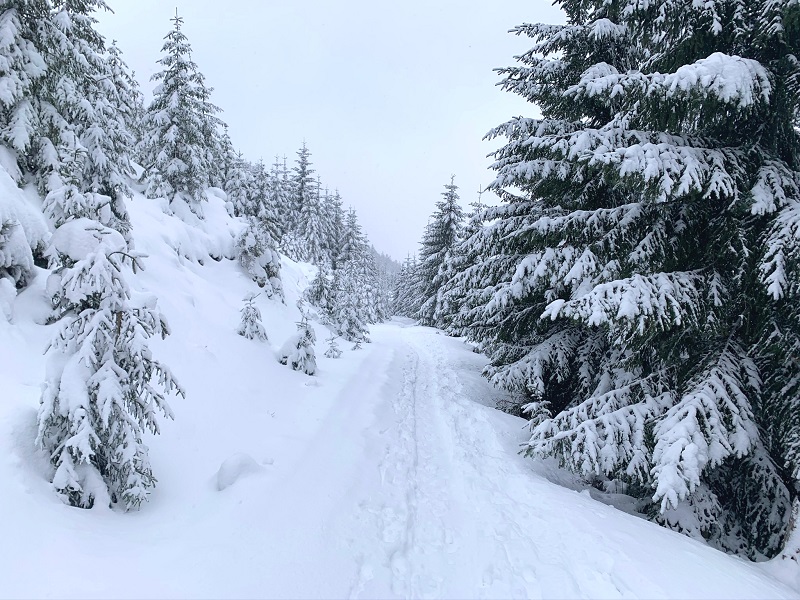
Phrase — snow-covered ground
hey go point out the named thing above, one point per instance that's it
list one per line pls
(387, 475)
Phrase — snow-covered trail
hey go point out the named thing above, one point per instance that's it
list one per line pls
(389, 477)
(413, 488)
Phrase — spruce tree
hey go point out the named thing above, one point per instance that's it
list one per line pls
(312, 229)
(453, 310)
(333, 350)
(298, 351)
(104, 388)
(279, 199)
(181, 125)
(251, 326)
(442, 235)
(302, 188)
(642, 272)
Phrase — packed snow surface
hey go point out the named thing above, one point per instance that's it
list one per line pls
(386, 475)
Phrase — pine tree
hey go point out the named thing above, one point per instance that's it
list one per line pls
(104, 388)
(441, 237)
(181, 126)
(642, 281)
(251, 326)
(298, 352)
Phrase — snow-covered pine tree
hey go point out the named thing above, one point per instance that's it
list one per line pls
(240, 187)
(454, 291)
(333, 350)
(298, 351)
(181, 127)
(279, 198)
(348, 314)
(302, 187)
(311, 229)
(129, 99)
(320, 291)
(23, 69)
(104, 389)
(335, 218)
(644, 282)
(228, 159)
(61, 99)
(441, 236)
(251, 326)
(256, 252)
(402, 297)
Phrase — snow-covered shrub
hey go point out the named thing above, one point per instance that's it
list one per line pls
(256, 251)
(103, 388)
(251, 326)
(298, 351)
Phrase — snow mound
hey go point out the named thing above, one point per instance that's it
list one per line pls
(79, 238)
(191, 237)
(234, 468)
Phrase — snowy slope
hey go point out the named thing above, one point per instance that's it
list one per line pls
(384, 476)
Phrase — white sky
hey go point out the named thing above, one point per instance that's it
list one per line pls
(391, 98)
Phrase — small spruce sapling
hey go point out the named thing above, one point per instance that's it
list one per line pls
(298, 351)
(251, 326)
(333, 350)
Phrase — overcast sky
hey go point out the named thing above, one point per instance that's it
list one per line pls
(391, 98)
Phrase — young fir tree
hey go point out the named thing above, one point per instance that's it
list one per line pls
(442, 235)
(104, 388)
(256, 252)
(644, 279)
(298, 351)
(181, 126)
(333, 350)
(251, 326)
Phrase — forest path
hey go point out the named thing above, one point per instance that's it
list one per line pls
(440, 505)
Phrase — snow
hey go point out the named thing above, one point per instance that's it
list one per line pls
(386, 475)
(235, 467)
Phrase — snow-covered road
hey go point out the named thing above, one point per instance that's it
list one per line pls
(388, 475)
